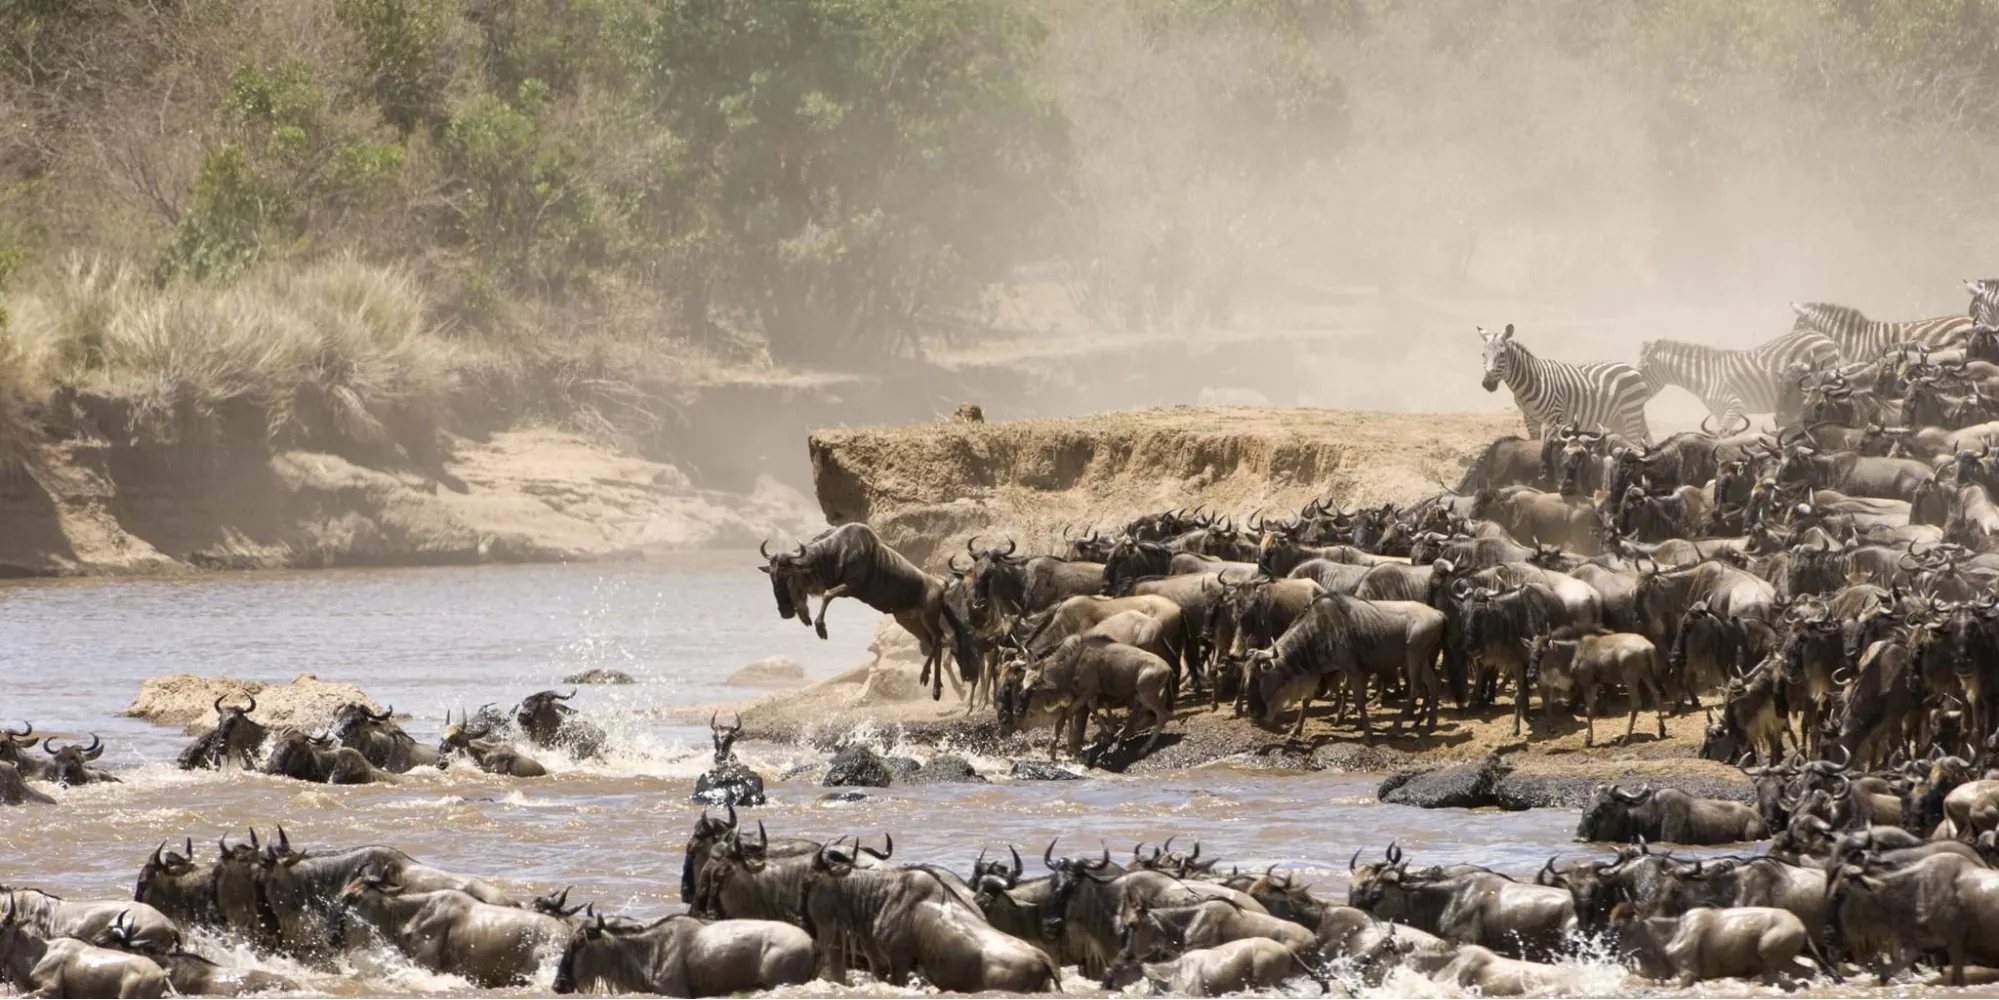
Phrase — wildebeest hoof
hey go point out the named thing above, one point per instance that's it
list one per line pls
(820, 627)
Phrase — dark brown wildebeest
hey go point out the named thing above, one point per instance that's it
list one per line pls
(14, 747)
(236, 741)
(379, 739)
(297, 754)
(1009, 585)
(449, 931)
(1593, 660)
(145, 928)
(909, 920)
(1088, 674)
(852, 561)
(1227, 969)
(489, 755)
(1346, 638)
(301, 894)
(1666, 815)
(71, 765)
(549, 722)
(683, 956)
(1945, 903)
(1468, 906)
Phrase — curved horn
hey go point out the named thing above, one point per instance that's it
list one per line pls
(1011, 545)
(763, 549)
(95, 749)
(1048, 856)
(386, 714)
(969, 546)
(1351, 862)
(563, 697)
(1010, 849)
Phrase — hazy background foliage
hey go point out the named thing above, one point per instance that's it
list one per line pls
(594, 187)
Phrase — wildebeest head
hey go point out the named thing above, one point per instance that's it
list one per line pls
(1179, 864)
(1262, 686)
(707, 833)
(995, 876)
(1608, 818)
(1372, 882)
(72, 763)
(1066, 875)
(785, 583)
(991, 570)
(1133, 559)
(162, 867)
(1497, 357)
(13, 742)
(459, 735)
(542, 714)
(355, 717)
(236, 738)
(725, 737)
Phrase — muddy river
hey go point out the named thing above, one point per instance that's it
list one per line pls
(426, 640)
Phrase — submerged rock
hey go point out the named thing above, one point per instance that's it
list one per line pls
(599, 676)
(857, 765)
(943, 769)
(1029, 769)
(770, 672)
(844, 795)
(1463, 786)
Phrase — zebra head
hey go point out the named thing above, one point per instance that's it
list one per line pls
(1984, 301)
(1826, 318)
(1497, 356)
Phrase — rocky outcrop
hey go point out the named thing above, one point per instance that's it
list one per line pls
(858, 765)
(770, 672)
(188, 701)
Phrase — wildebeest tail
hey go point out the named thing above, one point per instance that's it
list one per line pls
(1818, 956)
(962, 647)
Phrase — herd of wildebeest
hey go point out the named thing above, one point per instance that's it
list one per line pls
(1822, 594)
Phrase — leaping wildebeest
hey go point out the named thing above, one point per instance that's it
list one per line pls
(852, 561)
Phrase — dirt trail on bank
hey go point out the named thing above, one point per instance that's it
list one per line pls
(928, 487)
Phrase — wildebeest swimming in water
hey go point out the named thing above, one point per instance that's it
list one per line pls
(730, 782)
(549, 723)
(852, 561)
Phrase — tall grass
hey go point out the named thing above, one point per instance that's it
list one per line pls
(335, 354)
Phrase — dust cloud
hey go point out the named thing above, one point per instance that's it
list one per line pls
(1320, 200)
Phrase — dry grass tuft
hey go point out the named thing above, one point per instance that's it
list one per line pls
(335, 354)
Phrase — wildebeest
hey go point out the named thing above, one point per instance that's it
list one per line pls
(1345, 638)
(297, 754)
(491, 756)
(14, 747)
(852, 561)
(1010, 585)
(145, 928)
(1467, 966)
(1087, 896)
(236, 741)
(1944, 903)
(681, 956)
(1470, 906)
(68, 967)
(14, 790)
(192, 975)
(301, 893)
(446, 930)
(549, 722)
(907, 920)
(1156, 933)
(1669, 815)
(1570, 659)
(1736, 942)
(1087, 674)
(379, 739)
(71, 765)
(1223, 970)
(729, 781)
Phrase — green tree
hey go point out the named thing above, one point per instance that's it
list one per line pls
(402, 43)
(843, 171)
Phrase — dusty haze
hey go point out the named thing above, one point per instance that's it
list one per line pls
(1376, 179)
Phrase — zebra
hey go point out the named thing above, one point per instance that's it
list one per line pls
(1735, 384)
(1864, 340)
(1605, 394)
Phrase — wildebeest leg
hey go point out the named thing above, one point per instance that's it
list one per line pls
(1079, 720)
(825, 599)
(1519, 696)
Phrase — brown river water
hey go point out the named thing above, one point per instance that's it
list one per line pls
(72, 655)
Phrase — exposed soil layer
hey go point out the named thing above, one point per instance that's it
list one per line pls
(88, 507)
(927, 488)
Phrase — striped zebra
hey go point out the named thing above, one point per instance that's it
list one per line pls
(1735, 384)
(1596, 394)
(1862, 340)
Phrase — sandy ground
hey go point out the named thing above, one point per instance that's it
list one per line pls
(928, 487)
(524, 495)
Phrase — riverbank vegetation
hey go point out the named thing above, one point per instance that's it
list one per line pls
(344, 216)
